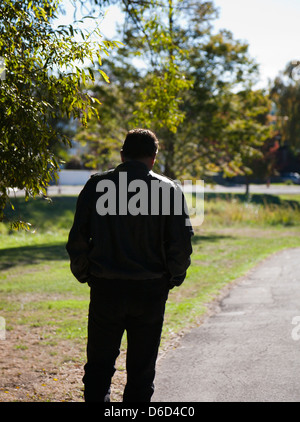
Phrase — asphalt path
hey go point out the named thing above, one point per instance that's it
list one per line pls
(249, 349)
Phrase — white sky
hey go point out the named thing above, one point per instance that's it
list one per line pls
(271, 28)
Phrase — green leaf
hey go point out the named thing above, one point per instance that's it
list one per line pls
(104, 75)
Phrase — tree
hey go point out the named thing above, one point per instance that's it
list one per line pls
(44, 82)
(195, 88)
(103, 137)
(222, 125)
(285, 93)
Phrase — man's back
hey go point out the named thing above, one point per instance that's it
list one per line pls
(135, 224)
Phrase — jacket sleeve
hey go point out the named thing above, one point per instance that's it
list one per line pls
(78, 245)
(178, 245)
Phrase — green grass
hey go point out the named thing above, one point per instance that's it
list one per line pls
(223, 210)
(52, 217)
(37, 289)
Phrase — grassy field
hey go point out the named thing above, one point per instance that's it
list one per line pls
(43, 303)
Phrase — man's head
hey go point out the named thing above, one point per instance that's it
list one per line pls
(141, 145)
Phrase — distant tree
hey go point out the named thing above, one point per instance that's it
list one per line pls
(285, 93)
(224, 121)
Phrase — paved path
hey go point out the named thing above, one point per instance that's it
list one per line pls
(249, 350)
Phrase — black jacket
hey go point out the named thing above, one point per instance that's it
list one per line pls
(148, 245)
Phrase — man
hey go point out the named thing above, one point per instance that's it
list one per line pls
(131, 242)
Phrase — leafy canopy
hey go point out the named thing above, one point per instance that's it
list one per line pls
(44, 80)
(192, 86)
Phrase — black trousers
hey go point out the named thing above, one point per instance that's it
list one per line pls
(138, 307)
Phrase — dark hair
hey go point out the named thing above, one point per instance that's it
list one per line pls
(140, 143)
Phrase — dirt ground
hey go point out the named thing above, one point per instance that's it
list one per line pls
(32, 369)
(35, 369)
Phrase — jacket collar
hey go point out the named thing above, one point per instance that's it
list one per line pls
(132, 165)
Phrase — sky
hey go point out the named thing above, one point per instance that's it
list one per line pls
(270, 27)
